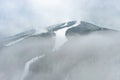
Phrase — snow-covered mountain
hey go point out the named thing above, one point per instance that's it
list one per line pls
(16, 38)
(70, 26)
(89, 50)
(65, 52)
(61, 25)
(85, 28)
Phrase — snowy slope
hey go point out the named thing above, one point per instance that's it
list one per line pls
(79, 53)
(62, 58)
(16, 38)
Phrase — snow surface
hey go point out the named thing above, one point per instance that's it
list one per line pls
(85, 57)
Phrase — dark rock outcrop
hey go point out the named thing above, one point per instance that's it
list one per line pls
(60, 26)
(84, 28)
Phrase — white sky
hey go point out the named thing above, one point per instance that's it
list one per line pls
(20, 15)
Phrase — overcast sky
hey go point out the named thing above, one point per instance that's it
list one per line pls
(21, 15)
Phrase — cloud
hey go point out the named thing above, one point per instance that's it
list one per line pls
(17, 16)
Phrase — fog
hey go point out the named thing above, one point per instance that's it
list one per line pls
(81, 57)
(89, 57)
(93, 56)
(14, 57)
